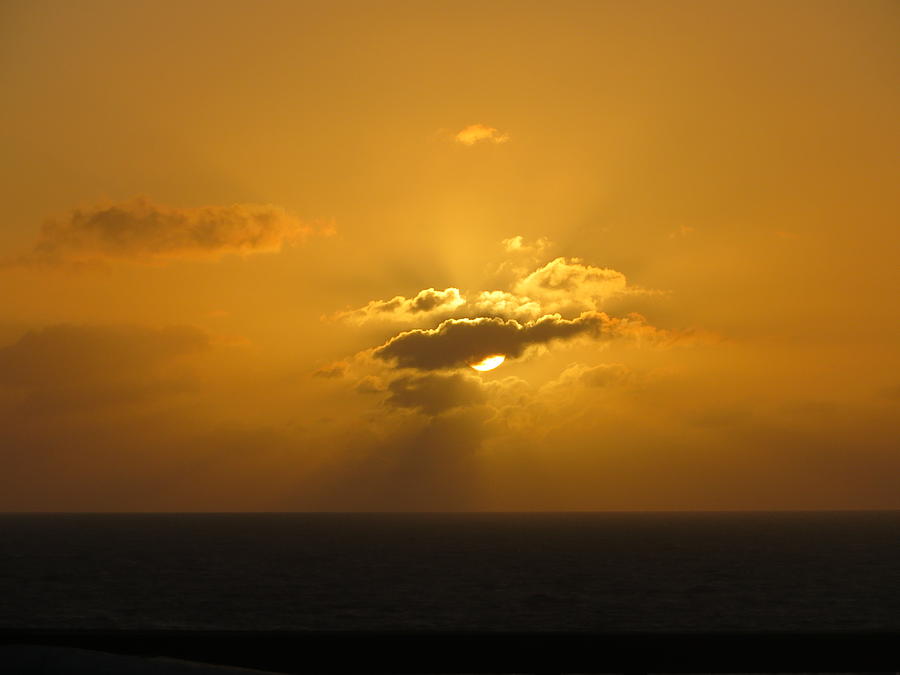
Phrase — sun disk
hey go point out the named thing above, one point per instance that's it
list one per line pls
(488, 362)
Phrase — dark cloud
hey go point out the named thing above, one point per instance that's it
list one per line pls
(67, 367)
(139, 230)
(434, 393)
(67, 353)
(456, 342)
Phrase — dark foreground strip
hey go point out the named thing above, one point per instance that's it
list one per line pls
(345, 652)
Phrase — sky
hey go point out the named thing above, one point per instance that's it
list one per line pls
(250, 252)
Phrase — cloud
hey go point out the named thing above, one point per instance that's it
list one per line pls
(518, 244)
(505, 304)
(331, 370)
(477, 133)
(456, 342)
(141, 231)
(64, 368)
(66, 353)
(369, 385)
(399, 308)
(564, 284)
(435, 393)
(603, 375)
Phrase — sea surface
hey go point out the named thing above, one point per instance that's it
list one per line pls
(647, 572)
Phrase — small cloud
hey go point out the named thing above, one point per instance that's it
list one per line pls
(141, 231)
(518, 244)
(477, 133)
(513, 243)
(400, 308)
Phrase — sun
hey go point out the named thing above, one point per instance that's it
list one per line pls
(488, 362)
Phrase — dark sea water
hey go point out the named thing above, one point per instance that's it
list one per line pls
(485, 572)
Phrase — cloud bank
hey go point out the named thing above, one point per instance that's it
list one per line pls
(141, 231)
(63, 368)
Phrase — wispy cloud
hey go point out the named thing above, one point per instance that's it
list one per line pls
(425, 303)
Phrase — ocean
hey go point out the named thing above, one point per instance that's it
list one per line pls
(568, 572)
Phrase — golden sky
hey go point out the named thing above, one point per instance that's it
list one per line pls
(249, 251)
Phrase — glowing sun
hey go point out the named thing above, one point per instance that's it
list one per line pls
(488, 362)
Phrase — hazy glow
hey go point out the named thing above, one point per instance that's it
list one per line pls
(273, 308)
(488, 362)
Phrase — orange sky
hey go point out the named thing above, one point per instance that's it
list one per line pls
(248, 250)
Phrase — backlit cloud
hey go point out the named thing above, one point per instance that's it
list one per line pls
(400, 308)
(565, 286)
(141, 231)
(477, 133)
(456, 342)
(568, 284)
(505, 304)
